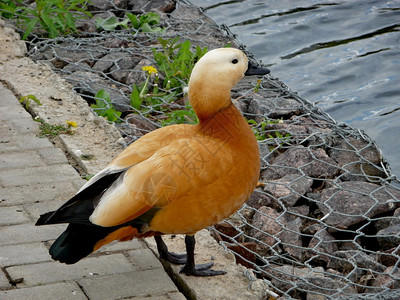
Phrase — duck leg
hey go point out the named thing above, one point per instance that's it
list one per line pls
(190, 268)
(175, 258)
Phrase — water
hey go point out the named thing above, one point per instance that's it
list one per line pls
(342, 55)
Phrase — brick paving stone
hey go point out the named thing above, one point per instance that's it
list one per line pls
(140, 283)
(144, 259)
(23, 142)
(12, 215)
(23, 254)
(7, 97)
(90, 267)
(28, 233)
(121, 246)
(53, 156)
(15, 112)
(27, 176)
(56, 291)
(25, 125)
(167, 296)
(3, 282)
(42, 192)
(20, 160)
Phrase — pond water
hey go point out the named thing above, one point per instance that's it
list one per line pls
(342, 55)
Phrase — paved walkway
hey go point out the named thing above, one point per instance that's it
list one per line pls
(35, 177)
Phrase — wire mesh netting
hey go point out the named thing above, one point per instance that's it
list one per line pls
(324, 221)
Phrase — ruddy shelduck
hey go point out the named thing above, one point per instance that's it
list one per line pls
(177, 179)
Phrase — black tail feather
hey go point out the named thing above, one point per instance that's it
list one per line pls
(81, 206)
(77, 242)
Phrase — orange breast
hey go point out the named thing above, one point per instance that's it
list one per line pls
(224, 175)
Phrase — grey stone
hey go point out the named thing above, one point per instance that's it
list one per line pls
(59, 291)
(322, 245)
(346, 261)
(28, 233)
(10, 113)
(160, 5)
(33, 175)
(396, 217)
(24, 159)
(55, 272)
(7, 98)
(358, 157)
(26, 253)
(390, 278)
(144, 259)
(105, 63)
(352, 202)
(259, 198)
(12, 215)
(389, 237)
(53, 156)
(36, 193)
(267, 226)
(139, 125)
(23, 142)
(276, 108)
(104, 5)
(291, 239)
(312, 162)
(4, 281)
(137, 283)
(122, 69)
(289, 188)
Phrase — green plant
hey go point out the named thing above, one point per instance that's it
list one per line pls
(180, 116)
(28, 99)
(56, 17)
(144, 23)
(48, 130)
(176, 61)
(8, 8)
(259, 130)
(104, 107)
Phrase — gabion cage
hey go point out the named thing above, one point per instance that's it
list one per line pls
(324, 221)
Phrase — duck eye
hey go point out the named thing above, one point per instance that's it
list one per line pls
(235, 61)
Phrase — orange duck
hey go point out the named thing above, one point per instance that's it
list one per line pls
(177, 179)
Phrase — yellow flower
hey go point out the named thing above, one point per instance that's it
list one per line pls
(72, 124)
(149, 69)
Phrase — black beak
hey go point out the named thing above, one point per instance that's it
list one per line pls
(256, 70)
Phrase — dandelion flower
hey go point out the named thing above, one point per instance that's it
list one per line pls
(71, 124)
(150, 69)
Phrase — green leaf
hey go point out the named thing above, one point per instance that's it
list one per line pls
(102, 98)
(150, 18)
(29, 28)
(111, 23)
(136, 101)
(134, 20)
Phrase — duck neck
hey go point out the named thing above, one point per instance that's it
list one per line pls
(228, 124)
(207, 100)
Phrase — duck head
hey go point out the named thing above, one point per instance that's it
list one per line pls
(213, 77)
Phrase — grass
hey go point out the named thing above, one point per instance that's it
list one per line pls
(54, 17)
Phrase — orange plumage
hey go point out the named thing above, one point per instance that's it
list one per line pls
(175, 180)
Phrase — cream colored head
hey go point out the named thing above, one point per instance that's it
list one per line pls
(212, 79)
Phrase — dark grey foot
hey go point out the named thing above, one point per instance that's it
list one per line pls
(201, 270)
(196, 270)
(174, 258)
